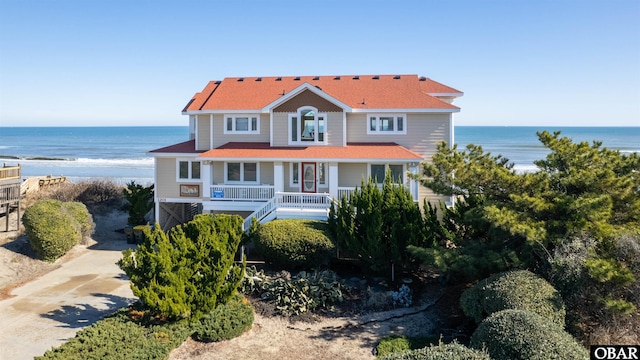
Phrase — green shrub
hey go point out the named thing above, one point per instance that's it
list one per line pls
(139, 202)
(82, 216)
(118, 337)
(292, 244)
(52, 231)
(400, 343)
(453, 351)
(519, 334)
(226, 321)
(521, 290)
(190, 270)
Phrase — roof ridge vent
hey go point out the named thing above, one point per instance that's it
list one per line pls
(316, 78)
(259, 79)
(356, 77)
(297, 78)
(279, 78)
(376, 77)
(240, 79)
(423, 78)
(337, 77)
(397, 77)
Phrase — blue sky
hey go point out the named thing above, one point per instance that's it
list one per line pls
(123, 62)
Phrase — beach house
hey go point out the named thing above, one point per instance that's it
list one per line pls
(285, 147)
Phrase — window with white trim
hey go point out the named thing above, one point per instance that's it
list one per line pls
(294, 174)
(386, 124)
(294, 177)
(307, 126)
(241, 172)
(242, 124)
(377, 172)
(188, 170)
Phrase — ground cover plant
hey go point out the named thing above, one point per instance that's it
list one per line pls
(127, 334)
(401, 343)
(451, 351)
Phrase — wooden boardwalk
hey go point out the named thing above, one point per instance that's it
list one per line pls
(13, 189)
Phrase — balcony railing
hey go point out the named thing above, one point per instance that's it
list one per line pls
(9, 172)
(242, 192)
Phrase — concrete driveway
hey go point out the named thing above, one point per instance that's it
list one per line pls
(48, 311)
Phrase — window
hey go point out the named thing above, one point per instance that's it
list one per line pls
(386, 124)
(245, 124)
(322, 178)
(307, 126)
(241, 172)
(379, 171)
(188, 170)
(295, 174)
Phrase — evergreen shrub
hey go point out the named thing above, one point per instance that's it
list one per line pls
(400, 343)
(226, 321)
(294, 243)
(82, 216)
(452, 351)
(521, 290)
(52, 231)
(119, 337)
(520, 334)
(188, 271)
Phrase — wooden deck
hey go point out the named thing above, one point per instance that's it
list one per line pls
(10, 192)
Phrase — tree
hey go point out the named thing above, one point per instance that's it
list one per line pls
(140, 202)
(376, 225)
(190, 270)
(581, 190)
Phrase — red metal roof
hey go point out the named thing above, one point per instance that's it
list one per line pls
(356, 91)
(353, 151)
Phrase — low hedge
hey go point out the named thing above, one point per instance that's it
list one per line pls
(521, 290)
(452, 351)
(119, 337)
(52, 231)
(294, 243)
(520, 334)
(226, 321)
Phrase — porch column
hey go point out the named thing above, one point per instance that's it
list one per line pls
(278, 176)
(206, 179)
(333, 180)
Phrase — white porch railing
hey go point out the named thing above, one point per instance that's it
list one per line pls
(290, 201)
(342, 191)
(242, 192)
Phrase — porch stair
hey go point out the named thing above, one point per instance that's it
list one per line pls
(286, 205)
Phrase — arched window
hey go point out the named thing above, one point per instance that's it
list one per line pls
(307, 126)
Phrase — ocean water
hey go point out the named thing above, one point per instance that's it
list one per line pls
(82, 153)
(120, 153)
(521, 145)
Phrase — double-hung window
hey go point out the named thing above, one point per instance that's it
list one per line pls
(379, 171)
(241, 172)
(307, 126)
(242, 124)
(188, 170)
(386, 124)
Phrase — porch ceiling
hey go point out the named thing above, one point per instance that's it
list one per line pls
(350, 153)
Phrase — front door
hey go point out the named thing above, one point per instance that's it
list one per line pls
(309, 177)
